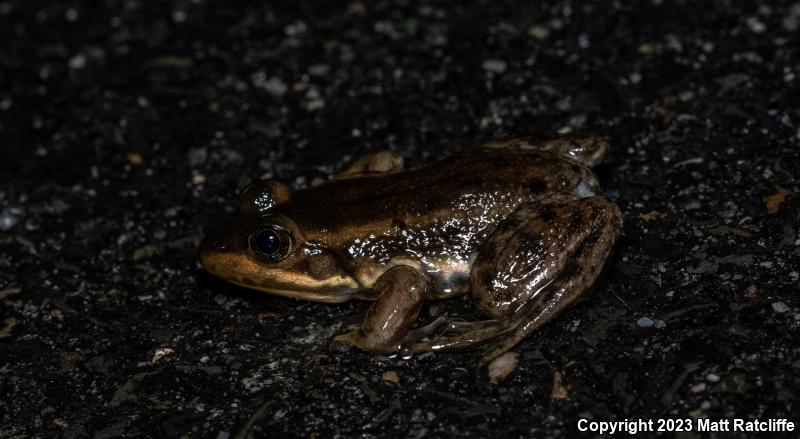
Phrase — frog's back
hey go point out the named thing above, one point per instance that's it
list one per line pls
(480, 185)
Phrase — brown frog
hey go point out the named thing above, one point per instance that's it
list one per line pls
(517, 223)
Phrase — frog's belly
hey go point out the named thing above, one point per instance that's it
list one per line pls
(448, 274)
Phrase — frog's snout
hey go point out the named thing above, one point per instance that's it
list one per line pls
(212, 242)
(212, 251)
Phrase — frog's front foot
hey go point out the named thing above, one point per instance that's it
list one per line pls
(348, 340)
(373, 342)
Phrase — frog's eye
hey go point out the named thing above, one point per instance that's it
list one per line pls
(271, 244)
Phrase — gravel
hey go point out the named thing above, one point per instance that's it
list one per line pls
(128, 128)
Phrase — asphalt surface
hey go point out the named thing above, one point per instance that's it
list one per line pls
(128, 128)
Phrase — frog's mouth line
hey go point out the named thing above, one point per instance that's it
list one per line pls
(312, 296)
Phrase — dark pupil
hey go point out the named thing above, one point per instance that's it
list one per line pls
(268, 242)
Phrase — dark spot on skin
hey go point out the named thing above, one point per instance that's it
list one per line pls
(433, 201)
(574, 222)
(500, 162)
(547, 214)
(473, 182)
(571, 270)
(593, 237)
(488, 253)
(451, 230)
(488, 279)
(538, 186)
(508, 224)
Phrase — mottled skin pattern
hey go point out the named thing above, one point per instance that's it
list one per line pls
(516, 222)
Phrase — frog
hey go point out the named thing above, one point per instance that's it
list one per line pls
(520, 225)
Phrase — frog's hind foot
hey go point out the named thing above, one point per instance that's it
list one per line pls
(417, 334)
(588, 149)
(372, 164)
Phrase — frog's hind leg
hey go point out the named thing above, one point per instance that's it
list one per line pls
(538, 261)
(587, 150)
(570, 243)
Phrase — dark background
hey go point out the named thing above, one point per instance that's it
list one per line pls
(127, 127)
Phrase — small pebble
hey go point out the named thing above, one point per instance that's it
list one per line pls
(161, 353)
(558, 391)
(9, 218)
(274, 86)
(135, 159)
(391, 376)
(502, 366)
(179, 16)
(71, 14)
(645, 322)
(315, 104)
(692, 205)
(319, 69)
(780, 307)
(77, 62)
(756, 25)
(538, 31)
(712, 378)
(495, 66)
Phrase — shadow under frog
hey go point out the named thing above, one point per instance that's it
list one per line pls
(517, 223)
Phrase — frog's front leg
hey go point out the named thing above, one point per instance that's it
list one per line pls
(402, 292)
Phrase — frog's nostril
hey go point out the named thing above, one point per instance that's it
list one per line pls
(210, 250)
(218, 246)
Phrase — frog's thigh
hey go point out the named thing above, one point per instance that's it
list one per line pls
(530, 251)
(383, 161)
(402, 292)
(540, 260)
